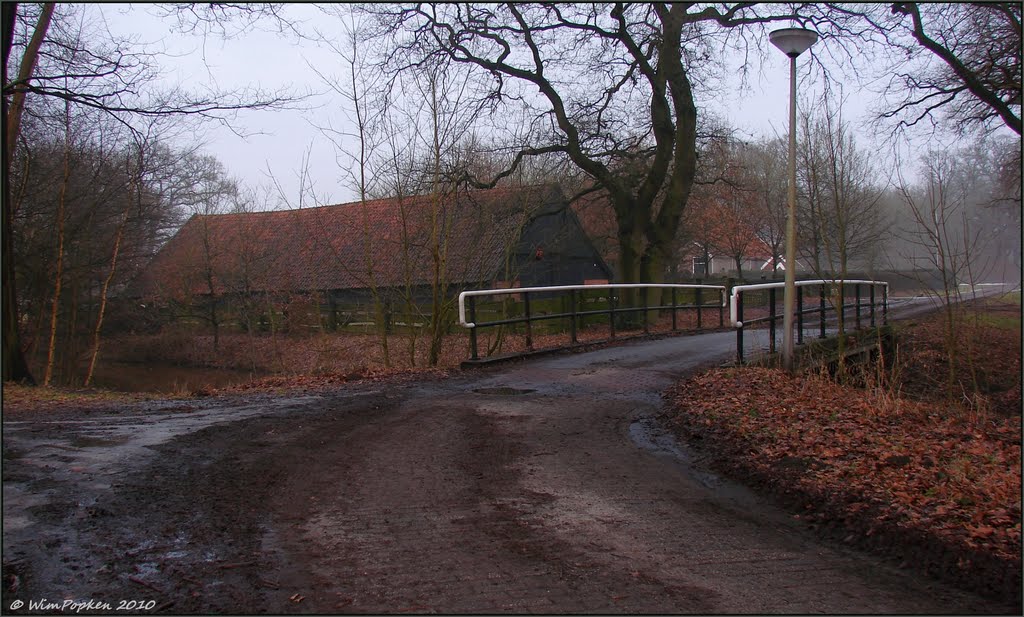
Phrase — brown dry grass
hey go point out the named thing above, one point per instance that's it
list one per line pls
(286, 355)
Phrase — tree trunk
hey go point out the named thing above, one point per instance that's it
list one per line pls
(59, 275)
(652, 270)
(410, 304)
(13, 365)
(69, 352)
(631, 253)
(214, 323)
(357, 100)
(210, 287)
(12, 118)
(103, 298)
(438, 246)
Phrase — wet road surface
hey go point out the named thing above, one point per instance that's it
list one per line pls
(544, 486)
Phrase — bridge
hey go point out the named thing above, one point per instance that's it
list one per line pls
(754, 312)
(673, 308)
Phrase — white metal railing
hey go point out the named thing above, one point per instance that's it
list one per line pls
(467, 304)
(736, 307)
(738, 289)
(516, 290)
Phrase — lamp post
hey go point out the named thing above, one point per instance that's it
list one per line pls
(792, 42)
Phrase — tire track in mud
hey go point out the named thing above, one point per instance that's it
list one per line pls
(429, 514)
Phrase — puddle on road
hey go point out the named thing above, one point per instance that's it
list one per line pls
(649, 435)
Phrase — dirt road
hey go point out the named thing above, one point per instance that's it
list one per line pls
(539, 487)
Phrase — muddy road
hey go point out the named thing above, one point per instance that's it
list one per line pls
(544, 486)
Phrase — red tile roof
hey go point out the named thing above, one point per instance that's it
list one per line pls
(325, 248)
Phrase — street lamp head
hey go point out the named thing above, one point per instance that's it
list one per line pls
(793, 41)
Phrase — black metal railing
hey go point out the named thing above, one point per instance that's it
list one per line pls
(831, 302)
(603, 300)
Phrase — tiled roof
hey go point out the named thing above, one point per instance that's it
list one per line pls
(326, 248)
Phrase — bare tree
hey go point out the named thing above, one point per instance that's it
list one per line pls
(841, 192)
(395, 169)
(58, 276)
(839, 221)
(726, 217)
(1008, 161)
(946, 241)
(358, 87)
(63, 58)
(197, 287)
(946, 62)
(766, 168)
(254, 290)
(1004, 211)
(13, 362)
(77, 213)
(134, 171)
(991, 204)
(980, 45)
(631, 126)
(427, 124)
(446, 125)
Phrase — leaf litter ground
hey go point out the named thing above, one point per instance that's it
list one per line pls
(900, 467)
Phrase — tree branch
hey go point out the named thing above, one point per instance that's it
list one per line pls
(968, 77)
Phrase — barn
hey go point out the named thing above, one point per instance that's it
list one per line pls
(399, 249)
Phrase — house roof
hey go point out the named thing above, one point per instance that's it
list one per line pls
(597, 216)
(326, 248)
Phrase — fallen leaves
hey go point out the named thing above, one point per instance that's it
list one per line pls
(877, 457)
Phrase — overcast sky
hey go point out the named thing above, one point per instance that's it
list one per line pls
(279, 141)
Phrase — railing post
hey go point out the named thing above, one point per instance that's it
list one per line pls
(872, 300)
(572, 315)
(673, 309)
(721, 311)
(856, 295)
(643, 293)
(841, 318)
(526, 312)
(821, 309)
(698, 302)
(771, 320)
(885, 305)
(611, 312)
(799, 315)
(739, 328)
(472, 331)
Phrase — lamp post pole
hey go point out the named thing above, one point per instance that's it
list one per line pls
(792, 42)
